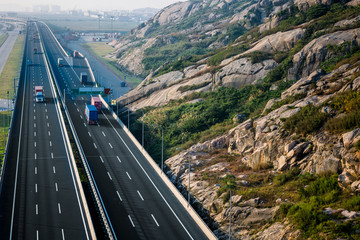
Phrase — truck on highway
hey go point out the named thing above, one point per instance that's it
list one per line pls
(91, 114)
(96, 101)
(35, 50)
(83, 77)
(60, 62)
(39, 93)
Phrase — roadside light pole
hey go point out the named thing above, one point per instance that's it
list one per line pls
(189, 170)
(128, 114)
(218, 185)
(142, 132)
(162, 146)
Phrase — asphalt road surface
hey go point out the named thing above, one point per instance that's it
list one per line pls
(138, 203)
(39, 197)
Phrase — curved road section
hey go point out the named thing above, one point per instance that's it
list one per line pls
(40, 198)
(138, 203)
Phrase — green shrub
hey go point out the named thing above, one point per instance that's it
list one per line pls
(257, 57)
(223, 54)
(290, 175)
(352, 204)
(305, 216)
(322, 185)
(343, 124)
(186, 88)
(308, 120)
(317, 11)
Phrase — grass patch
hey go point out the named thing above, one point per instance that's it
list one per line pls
(100, 50)
(3, 38)
(5, 118)
(308, 120)
(12, 67)
(186, 88)
(348, 104)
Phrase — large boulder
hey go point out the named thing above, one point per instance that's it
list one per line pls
(278, 42)
(305, 4)
(242, 72)
(351, 137)
(314, 53)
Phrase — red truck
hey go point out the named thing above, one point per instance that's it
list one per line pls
(39, 93)
(96, 101)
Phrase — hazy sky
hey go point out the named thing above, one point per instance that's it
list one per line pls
(88, 4)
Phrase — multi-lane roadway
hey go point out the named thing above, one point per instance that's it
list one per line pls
(138, 203)
(40, 197)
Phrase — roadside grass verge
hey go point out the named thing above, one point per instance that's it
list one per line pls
(10, 72)
(11, 69)
(100, 50)
(3, 38)
(5, 118)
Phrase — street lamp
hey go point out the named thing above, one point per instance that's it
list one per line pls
(189, 177)
(162, 146)
(128, 114)
(142, 135)
(218, 185)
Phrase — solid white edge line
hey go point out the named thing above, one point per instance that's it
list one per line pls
(157, 224)
(149, 178)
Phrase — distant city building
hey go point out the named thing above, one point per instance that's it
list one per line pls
(55, 8)
(41, 8)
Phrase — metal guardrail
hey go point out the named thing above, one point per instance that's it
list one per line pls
(90, 177)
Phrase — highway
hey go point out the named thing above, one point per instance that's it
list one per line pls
(39, 198)
(138, 203)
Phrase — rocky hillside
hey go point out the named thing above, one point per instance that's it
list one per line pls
(189, 28)
(274, 116)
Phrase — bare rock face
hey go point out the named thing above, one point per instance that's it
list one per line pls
(353, 3)
(310, 57)
(242, 72)
(351, 137)
(173, 13)
(277, 231)
(305, 4)
(347, 22)
(278, 42)
(133, 60)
